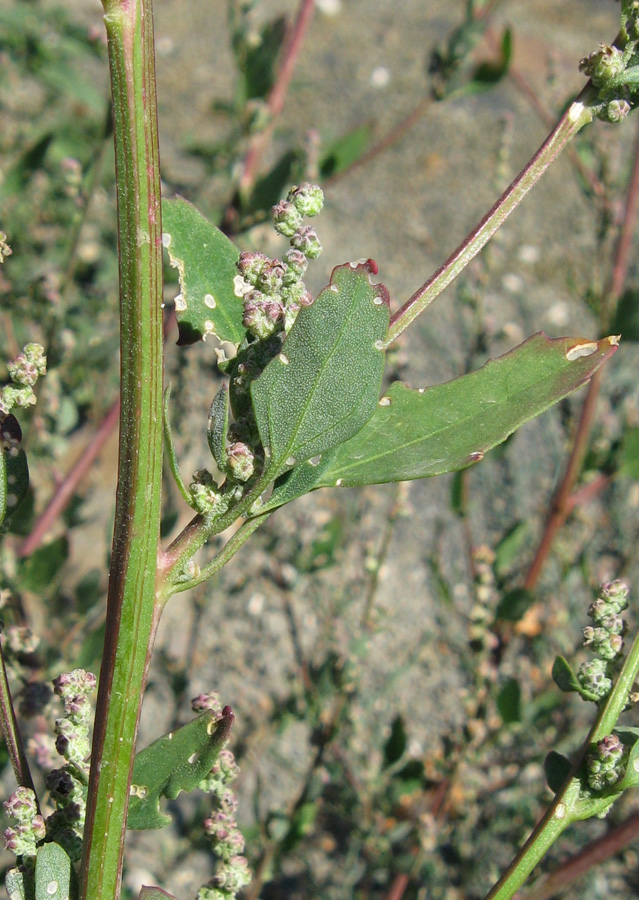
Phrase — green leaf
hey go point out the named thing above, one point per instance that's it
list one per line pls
(206, 262)
(395, 746)
(564, 677)
(345, 151)
(557, 769)
(269, 188)
(173, 763)
(630, 737)
(626, 320)
(154, 893)
(16, 469)
(19, 174)
(417, 434)
(323, 387)
(54, 875)
(567, 681)
(218, 427)
(487, 74)
(509, 702)
(44, 564)
(259, 63)
(16, 888)
(513, 605)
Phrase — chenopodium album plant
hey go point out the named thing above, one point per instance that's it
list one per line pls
(303, 407)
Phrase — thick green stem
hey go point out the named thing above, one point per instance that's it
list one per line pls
(131, 609)
(576, 116)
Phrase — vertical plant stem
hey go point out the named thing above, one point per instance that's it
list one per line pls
(131, 607)
(576, 116)
(11, 732)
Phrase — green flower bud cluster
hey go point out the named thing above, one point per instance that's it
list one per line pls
(68, 785)
(24, 372)
(272, 290)
(232, 872)
(606, 763)
(29, 830)
(604, 637)
(614, 70)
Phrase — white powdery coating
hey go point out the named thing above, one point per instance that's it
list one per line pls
(166, 240)
(180, 303)
(209, 300)
(385, 401)
(579, 350)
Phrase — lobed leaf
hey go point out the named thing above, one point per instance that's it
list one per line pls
(176, 762)
(323, 386)
(206, 262)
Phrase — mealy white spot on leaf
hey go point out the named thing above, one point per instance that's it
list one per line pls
(209, 300)
(585, 349)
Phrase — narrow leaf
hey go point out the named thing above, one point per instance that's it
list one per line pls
(54, 875)
(15, 886)
(174, 763)
(218, 426)
(323, 387)
(509, 702)
(205, 259)
(415, 434)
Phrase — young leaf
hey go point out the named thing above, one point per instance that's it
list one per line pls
(205, 259)
(323, 387)
(218, 426)
(15, 886)
(415, 434)
(173, 763)
(54, 875)
(564, 677)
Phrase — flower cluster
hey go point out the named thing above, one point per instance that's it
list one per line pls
(606, 763)
(613, 69)
(604, 637)
(24, 371)
(68, 785)
(272, 290)
(29, 830)
(232, 872)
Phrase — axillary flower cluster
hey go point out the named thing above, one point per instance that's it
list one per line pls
(614, 70)
(272, 292)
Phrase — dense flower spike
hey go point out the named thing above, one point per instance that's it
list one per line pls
(232, 873)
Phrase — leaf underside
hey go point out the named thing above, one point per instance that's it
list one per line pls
(421, 433)
(324, 385)
(206, 262)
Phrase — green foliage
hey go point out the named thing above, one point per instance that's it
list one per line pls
(206, 263)
(54, 875)
(325, 383)
(39, 570)
(420, 433)
(344, 152)
(174, 763)
(509, 701)
(154, 893)
(557, 769)
(513, 604)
